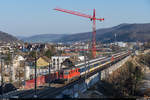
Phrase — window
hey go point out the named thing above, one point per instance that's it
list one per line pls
(70, 72)
(66, 73)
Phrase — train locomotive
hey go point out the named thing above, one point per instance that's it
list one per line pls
(67, 74)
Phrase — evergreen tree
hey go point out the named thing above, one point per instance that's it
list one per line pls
(48, 53)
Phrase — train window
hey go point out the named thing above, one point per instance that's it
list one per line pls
(81, 70)
(95, 65)
(61, 72)
(66, 73)
(78, 70)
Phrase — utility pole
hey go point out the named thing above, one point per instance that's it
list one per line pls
(12, 68)
(19, 73)
(88, 65)
(24, 71)
(84, 63)
(85, 66)
(49, 74)
(2, 77)
(35, 85)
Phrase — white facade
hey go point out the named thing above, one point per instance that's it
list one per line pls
(61, 47)
(57, 60)
(137, 52)
(27, 72)
(81, 58)
(121, 44)
(16, 64)
(31, 71)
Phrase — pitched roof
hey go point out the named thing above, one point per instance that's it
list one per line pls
(43, 61)
(46, 58)
(68, 63)
(30, 59)
(69, 54)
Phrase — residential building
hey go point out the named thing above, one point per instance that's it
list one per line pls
(57, 60)
(42, 66)
(17, 66)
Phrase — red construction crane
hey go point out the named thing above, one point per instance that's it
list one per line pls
(92, 18)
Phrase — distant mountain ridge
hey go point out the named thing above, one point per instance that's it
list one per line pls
(124, 32)
(43, 38)
(5, 37)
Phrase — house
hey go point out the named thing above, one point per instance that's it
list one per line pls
(43, 61)
(17, 67)
(29, 67)
(42, 64)
(57, 60)
(67, 63)
(81, 58)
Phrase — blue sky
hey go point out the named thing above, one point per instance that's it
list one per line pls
(31, 17)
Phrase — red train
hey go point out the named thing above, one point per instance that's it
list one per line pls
(59, 77)
(67, 74)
